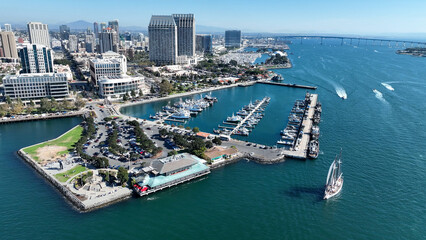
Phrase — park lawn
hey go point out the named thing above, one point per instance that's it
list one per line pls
(67, 140)
(63, 177)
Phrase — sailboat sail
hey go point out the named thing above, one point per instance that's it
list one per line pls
(334, 178)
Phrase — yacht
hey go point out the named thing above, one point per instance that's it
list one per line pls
(234, 119)
(181, 114)
(334, 181)
(313, 149)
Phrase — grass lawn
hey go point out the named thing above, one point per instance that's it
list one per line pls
(63, 177)
(68, 140)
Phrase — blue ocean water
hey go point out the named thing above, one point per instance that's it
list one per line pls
(382, 137)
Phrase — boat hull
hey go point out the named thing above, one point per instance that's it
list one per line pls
(329, 194)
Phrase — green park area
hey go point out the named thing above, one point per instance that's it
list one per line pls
(47, 151)
(63, 177)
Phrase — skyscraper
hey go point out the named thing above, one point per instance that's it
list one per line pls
(36, 58)
(96, 28)
(72, 43)
(8, 45)
(185, 34)
(114, 26)
(39, 33)
(7, 27)
(204, 43)
(162, 39)
(233, 38)
(108, 41)
(64, 32)
(103, 26)
(90, 42)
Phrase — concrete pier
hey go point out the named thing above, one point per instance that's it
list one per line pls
(301, 150)
(287, 84)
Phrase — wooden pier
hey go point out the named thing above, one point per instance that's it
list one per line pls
(287, 85)
(249, 115)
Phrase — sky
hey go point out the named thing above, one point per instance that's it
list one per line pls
(367, 17)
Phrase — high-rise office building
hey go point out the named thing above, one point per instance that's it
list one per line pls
(204, 43)
(72, 43)
(233, 38)
(8, 45)
(90, 42)
(35, 58)
(7, 27)
(39, 33)
(96, 28)
(114, 26)
(162, 39)
(108, 41)
(64, 32)
(185, 34)
(102, 26)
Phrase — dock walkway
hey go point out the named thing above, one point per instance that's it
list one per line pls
(249, 115)
(287, 84)
(302, 149)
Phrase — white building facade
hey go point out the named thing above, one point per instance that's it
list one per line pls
(115, 87)
(39, 33)
(36, 86)
(110, 64)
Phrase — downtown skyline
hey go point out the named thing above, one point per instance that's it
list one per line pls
(340, 17)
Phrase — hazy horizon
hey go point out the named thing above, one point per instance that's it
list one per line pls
(379, 18)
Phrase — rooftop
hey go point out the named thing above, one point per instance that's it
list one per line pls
(172, 163)
(217, 151)
(162, 21)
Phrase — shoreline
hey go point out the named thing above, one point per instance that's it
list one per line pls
(80, 205)
(118, 106)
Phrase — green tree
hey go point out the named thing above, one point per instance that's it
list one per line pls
(172, 153)
(54, 104)
(233, 62)
(163, 132)
(45, 105)
(209, 144)
(152, 89)
(125, 98)
(122, 175)
(140, 93)
(8, 100)
(133, 93)
(217, 141)
(32, 103)
(79, 102)
(165, 87)
(196, 130)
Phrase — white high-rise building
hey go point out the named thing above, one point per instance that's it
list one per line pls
(35, 58)
(39, 33)
(72, 43)
(7, 27)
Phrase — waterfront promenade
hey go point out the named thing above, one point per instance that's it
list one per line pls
(36, 117)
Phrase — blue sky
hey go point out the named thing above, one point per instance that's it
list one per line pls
(280, 16)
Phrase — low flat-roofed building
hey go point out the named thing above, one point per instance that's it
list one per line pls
(115, 86)
(203, 135)
(170, 171)
(217, 153)
(36, 86)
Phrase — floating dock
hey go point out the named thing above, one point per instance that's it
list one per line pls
(258, 105)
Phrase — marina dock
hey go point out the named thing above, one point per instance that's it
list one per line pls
(256, 108)
(287, 84)
(301, 151)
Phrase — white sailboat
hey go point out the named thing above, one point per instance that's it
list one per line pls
(334, 182)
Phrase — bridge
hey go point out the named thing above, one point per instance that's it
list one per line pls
(352, 40)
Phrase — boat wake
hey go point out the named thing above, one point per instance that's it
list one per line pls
(341, 93)
(388, 86)
(376, 51)
(379, 95)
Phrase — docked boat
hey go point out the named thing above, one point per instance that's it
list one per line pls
(234, 119)
(181, 114)
(315, 131)
(313, 149)
(285, 142)
(334, 182)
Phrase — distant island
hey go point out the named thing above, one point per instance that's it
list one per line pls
(419, 52)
